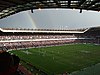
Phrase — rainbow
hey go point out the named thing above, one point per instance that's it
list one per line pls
(31, 20)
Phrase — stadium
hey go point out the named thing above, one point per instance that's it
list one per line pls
(49, 51)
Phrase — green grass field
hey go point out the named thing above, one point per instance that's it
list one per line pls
(60, 59)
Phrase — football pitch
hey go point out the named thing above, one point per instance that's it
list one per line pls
(60, 59)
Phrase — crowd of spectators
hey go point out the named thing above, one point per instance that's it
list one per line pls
(40, 40)
(27, 44)
(22, 40)
(57, 40)
(26, 37)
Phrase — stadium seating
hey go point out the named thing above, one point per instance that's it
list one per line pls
(16, 40)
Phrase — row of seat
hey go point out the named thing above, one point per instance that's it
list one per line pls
(26, 37)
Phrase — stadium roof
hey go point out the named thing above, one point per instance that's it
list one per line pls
(42, 30)
(9, 7)
(12, 30)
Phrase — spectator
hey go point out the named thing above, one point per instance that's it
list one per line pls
(8, 63)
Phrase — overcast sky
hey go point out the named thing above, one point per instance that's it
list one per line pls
(52, 19)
